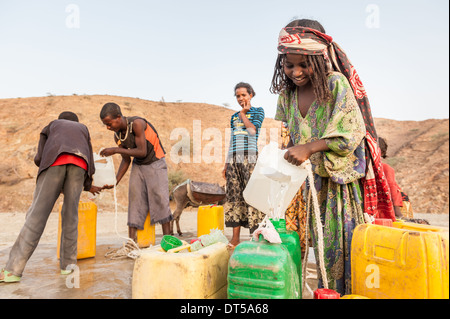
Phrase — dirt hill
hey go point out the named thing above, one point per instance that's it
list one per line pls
(419, 153)
(417, 150)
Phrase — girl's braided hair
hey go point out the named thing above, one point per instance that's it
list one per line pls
(319, 78)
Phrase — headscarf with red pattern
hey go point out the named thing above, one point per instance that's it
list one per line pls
(307, 41)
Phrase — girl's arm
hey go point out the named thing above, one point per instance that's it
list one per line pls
(227, 160)
(251, 129)
(300, 153)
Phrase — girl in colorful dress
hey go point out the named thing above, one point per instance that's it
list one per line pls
(295, 214)
(320, 98)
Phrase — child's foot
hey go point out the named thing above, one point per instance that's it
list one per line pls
(234, 242)
(232, 245)
(6, 276)
(230, 248)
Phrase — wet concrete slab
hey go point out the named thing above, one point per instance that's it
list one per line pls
(98, 277)
(95, 278)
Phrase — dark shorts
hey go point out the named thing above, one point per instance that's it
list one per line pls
(149, 192)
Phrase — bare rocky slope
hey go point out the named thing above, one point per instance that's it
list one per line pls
(417, 150)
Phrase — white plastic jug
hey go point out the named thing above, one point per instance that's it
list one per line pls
(104, 171)
(274, 182)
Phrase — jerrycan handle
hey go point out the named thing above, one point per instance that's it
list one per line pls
(180, 248)
(262, 239)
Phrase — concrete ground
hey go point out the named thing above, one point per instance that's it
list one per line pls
(99, 277)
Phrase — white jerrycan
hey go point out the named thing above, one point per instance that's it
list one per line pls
(104, 171)
(274, 182)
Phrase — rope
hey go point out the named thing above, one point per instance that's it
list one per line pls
(130, 248)
(305, 258)
(313, 194)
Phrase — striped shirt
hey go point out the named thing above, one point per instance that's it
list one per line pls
(241, 141)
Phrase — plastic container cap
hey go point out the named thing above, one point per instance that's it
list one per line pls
(323, 293)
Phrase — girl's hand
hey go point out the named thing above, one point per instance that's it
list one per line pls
(245, 107)
(108, 151)
(298, 154)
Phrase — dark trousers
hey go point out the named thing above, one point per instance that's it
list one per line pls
(69, 180)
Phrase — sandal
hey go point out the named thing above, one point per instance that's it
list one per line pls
(8, 276)
(66, 272)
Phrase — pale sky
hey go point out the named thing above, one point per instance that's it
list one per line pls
(196, 51)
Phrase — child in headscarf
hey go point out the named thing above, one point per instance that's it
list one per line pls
(328, 115)
(295, 214)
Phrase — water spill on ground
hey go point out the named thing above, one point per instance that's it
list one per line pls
(98, 278)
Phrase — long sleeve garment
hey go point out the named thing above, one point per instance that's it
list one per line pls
(64, 136)
(337, 172)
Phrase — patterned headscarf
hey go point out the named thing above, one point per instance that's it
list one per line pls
(307, 41)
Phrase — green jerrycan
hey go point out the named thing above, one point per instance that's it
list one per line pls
(291, 241)
(262, 270)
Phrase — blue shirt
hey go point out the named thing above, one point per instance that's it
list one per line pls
(241, 141)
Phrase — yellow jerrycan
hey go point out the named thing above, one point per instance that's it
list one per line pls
(407, 261)
(181, 275)
(209, 217)
(87, 230)
(146, 236)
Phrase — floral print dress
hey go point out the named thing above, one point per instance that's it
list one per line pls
(337, 172)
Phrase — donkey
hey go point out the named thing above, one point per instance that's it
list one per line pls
(184, 196)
